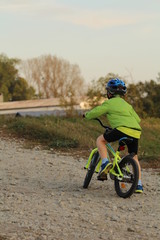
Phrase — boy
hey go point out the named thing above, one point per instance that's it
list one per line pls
(124, 122)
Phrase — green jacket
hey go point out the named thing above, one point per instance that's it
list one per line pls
(119, 113)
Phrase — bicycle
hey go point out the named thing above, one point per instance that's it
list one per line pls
(124, 171)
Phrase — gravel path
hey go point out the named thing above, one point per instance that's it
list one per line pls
(41, 198)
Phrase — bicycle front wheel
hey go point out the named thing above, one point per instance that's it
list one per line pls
(125, 187)
(91, 170)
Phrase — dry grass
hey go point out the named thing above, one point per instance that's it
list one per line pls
(77, 133)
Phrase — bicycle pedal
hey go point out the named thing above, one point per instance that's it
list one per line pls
(102, 178)
(112, 177)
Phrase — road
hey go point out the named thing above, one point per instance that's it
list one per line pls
(42, 198)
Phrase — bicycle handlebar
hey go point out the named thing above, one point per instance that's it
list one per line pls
(106, 127)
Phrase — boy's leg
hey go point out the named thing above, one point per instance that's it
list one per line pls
(106, 165)
(134, 148)
(139, 167)
(109, 136)
(139, 188)
(101, 144)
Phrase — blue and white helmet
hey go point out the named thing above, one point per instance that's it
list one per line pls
(116, 86)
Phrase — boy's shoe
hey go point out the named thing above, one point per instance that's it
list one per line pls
(105, 167)
(139, 189)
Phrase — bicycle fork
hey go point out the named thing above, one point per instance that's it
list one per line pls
(94, 151)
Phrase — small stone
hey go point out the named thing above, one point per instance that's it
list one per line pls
(13, 183)
(130, 229)
(114, 218)
(46, 213)
(114, 208)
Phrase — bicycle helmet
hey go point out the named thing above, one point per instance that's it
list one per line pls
(116, 86)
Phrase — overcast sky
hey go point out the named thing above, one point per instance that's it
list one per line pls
(101, 36)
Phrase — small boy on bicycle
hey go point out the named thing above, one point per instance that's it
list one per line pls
(124, 122)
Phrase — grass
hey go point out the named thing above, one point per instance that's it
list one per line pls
(77, 133)
(150, 139)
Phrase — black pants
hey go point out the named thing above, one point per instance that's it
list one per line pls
(114, 135)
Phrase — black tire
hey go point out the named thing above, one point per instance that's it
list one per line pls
(91, 170)
(126, 187)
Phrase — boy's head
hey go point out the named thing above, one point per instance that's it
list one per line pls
(114, 87)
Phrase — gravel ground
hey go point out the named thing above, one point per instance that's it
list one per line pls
(41, 198)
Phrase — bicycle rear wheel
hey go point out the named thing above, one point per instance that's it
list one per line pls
(91, 170)
(125, 187)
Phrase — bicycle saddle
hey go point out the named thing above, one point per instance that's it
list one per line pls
(125, 141)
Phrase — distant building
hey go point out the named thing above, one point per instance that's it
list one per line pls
(37, 107)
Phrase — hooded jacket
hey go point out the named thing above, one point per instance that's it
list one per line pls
(120, 114)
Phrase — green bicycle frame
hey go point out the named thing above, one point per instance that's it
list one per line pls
(115, 162)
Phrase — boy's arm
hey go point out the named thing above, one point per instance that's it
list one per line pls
(97, 111)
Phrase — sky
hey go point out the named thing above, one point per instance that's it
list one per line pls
(100, 36)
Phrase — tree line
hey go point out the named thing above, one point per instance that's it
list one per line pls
(143, 96)
(49, 76)
(43, 77)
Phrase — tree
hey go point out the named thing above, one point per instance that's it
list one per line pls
(151, 101)
(96, 91)
(135, 96)
(20, 90)
(12, 86)
(145, 98)
(8, 73)
(54, 77)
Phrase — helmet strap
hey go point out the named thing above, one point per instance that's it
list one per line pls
(109, 95)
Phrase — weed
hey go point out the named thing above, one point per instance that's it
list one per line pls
(74, 132)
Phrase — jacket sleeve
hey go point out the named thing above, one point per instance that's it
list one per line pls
(97, 111)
